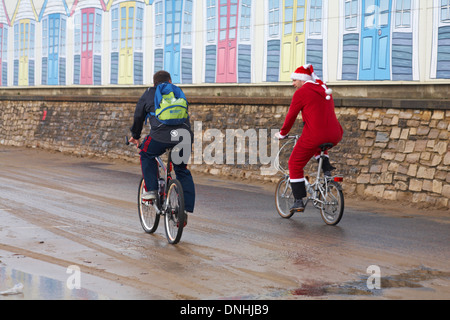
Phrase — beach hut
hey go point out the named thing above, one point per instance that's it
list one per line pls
(53, 18)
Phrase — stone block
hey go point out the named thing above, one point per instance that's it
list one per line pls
(409, 147)
(425, 173)
(405, 134)
(436, 160)
(401, 185)
(395, 133)
(446, 161)
(363, 179)
(438, 115)
(446, 191)
(441, 147)
(415, 185)
(382, 137)
(437, 186)
(413, 157)
(390, 195)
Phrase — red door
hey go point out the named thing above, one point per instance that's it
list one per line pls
(87, 45)
(227, 47)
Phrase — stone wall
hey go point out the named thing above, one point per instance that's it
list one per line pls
(393, 150)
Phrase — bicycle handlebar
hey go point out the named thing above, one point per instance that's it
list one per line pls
(127, 142)
(291, 137)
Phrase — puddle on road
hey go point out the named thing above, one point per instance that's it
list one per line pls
(37, 287)
(354, 289)
(410, 279)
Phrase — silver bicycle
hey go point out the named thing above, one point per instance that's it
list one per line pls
(325, 192)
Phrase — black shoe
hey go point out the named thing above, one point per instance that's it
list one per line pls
(298, 206)
(327, 167)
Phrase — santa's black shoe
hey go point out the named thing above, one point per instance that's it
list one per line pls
(298, 206)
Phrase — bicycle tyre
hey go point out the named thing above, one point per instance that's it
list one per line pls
(175, 215)
(148, 215)
(333, 210)
(284, 199)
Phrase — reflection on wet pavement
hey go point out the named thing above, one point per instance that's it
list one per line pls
(36, 287)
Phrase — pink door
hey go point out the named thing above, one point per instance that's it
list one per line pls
(87, 45)
(227, 47)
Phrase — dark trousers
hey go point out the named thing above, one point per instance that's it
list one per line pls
(150, 149)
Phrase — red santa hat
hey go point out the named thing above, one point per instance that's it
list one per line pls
(306, 73)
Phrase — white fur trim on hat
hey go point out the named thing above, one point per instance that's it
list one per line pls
(301, 76)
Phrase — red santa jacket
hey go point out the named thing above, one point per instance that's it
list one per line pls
(320, 122)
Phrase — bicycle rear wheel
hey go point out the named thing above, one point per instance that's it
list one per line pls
(284, 199)
(148, 214)
(175, 216)
(333, 207)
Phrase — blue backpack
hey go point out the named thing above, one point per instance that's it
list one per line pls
(171, 106)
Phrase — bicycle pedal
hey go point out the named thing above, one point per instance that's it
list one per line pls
(297, 210)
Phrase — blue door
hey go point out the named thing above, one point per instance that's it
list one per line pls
(375, 40)
(53, 48)
(173, 11)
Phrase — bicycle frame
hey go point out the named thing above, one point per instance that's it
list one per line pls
(325, 192)
(167, 169)
(316, 189)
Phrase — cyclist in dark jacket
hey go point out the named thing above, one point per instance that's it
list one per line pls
(161, 138)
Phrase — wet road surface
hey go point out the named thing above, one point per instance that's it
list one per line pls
(58, 211)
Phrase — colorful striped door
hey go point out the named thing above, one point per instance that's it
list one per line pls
(53, 48)
(2, 35)
(375, 40)
(227, 45)
(127, 13)
(24, 44)
(87, 39)
(172, 49)
(293, 39)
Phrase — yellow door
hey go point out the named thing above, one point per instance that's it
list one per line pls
(127, 12)
(23, 50)
(293, 40)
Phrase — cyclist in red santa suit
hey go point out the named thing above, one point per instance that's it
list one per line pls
(314, 100)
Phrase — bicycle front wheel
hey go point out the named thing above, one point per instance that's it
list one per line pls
(332, 207)
(284, 199)
(175, 216)
(148, 214)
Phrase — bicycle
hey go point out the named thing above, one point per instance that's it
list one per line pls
(325, 192)
(169, 203)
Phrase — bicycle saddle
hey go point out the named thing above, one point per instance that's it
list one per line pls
(326, 146)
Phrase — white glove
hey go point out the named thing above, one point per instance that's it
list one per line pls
(279, 136)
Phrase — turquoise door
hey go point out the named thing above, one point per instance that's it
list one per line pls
(375, 40)
(53, 48)
(172, 58)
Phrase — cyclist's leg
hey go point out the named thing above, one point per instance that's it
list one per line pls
(185, 178)
(297, 161)
(327, 167)
(184, 175)
(149, 151)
